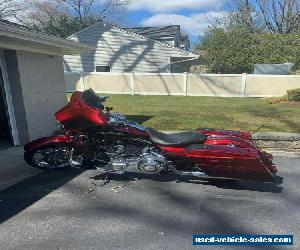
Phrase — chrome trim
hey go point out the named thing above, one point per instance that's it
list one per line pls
(190, 173)
(118, 119)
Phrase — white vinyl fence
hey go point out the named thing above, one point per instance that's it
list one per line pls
(186, 84)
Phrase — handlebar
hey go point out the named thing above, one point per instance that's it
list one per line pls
(103, 98)
(108, 109)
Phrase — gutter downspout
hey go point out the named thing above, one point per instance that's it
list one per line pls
(192, 59)
(186, 60)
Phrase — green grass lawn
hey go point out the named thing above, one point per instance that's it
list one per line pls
(186, 113)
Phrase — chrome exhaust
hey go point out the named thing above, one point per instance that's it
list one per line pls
(189, 173)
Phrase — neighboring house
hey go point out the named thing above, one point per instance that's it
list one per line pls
(121, 50)
(168, 34)
(185, 42)
(32, 86)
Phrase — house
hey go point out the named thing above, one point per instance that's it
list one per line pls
(32, 86)
(169, 34)
(122, 50)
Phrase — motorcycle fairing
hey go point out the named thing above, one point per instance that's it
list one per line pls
(77, 115)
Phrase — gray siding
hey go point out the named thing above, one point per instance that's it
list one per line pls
(122, 51)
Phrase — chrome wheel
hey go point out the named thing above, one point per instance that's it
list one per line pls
(52, 158)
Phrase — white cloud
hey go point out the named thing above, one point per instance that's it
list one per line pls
(173, 5)
(194, 24)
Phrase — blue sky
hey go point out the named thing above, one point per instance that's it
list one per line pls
(193, 15)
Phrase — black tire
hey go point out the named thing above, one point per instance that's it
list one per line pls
(54, 157)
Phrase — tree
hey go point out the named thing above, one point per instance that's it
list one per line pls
(64, 17)
(236, 50)
(100, 10)
(8, 8)
(257, 31)
(228, 50)
(276, 16)
(241, 14)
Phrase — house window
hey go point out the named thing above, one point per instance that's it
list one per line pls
(102, 68)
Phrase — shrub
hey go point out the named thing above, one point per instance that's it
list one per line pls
(277, 99)
(236, 50)
(293, 95)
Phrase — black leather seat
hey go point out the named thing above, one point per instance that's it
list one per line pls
(175, 139)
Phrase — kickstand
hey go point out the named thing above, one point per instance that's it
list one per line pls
(104, 182)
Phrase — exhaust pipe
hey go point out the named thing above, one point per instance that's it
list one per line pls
(189, 173)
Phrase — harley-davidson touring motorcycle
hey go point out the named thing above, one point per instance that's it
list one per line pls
(94, 137)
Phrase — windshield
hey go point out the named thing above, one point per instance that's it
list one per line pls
(90, 98)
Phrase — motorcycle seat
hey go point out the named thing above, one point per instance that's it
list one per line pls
(175, 139)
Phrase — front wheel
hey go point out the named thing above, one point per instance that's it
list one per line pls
(51, 157)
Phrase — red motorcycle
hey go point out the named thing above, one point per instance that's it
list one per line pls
(96, 138)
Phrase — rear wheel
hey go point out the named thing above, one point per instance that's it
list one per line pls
(49, 157)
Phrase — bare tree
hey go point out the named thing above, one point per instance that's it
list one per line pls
(36, 13)
(79, 9)
(8, 8)
(282, 16)
(64, 17)
(101, 10)
(241, 13)
(279, 16)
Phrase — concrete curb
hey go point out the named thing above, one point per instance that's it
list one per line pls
(282, 145)
(276, 136)
(266, 136)
(278, 140)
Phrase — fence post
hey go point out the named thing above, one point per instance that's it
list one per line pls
(185, 77)
(82, 80)
(132, 83)
(243, 84)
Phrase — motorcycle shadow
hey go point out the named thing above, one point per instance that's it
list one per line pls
(219, 183)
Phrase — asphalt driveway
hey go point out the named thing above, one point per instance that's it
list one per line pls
(67, 210)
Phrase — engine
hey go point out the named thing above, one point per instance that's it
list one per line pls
(134, 158)
(152, 162)
(149, 162)
(127, 155)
